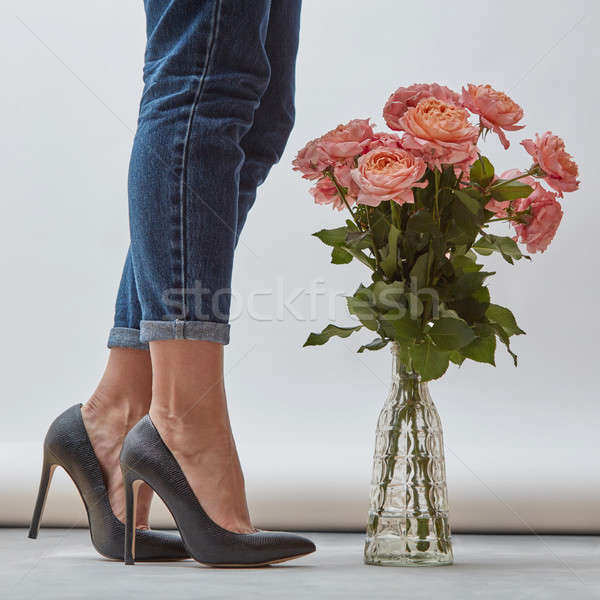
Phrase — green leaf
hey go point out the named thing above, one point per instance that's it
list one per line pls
(376, 344)
(362, 257)
(503, 317)
(485, 243)
(451, 334)
(332, 237)
(318, 339)
(470, 309)
(482, 171)
(422, 222)
(482, 295)
(467, 223)
(464, 264)
(503, 337)
(359, 240)
(415, 306)
(505, 245)
(470, 203)
(456, 357)
(380, 224)
(339, 256)
(400, 326)
(448, 312)
(389, 296)
(364, 293)
(389, 264)
(513, 190)
(467, 283)
(484, 251)
(429, 361)
(362, 310)
(419, 270)
(481, 349)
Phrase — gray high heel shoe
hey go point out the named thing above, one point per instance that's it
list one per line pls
(146, 458)
(67, 445)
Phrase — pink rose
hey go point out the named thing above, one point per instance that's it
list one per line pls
(560, 170)
(499, 206)
(540, 226)
(383, 140)
(406, 97)
(539, 195)
(325, 191)
(388, 174)
(496, 110)
(337, 147)
(441, 132)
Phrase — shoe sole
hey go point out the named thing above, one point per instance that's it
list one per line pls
(262, 564)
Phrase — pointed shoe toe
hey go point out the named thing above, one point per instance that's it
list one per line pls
(284, 545)
(146, 458)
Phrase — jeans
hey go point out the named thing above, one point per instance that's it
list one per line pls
(216, 112)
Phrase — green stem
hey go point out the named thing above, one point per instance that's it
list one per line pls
(373, 245)
(499, 185)
(436, 207)
(514, 215)
(421, 468)
(417, 469)
(342, 194)
(395, 210)
(389, 467)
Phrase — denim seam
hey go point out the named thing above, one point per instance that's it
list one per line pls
(125, 337)
(185, 158)
(211, 331)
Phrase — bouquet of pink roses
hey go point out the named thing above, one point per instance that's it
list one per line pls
(420, 207)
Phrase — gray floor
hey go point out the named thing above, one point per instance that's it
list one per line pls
(61, 564)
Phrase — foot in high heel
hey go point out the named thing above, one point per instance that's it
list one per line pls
(146, 458)
(67, 445)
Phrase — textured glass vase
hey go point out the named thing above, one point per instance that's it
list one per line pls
(408, 515)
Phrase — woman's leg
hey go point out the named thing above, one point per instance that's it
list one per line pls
(128, 312)
(124, 392)
(263, 145)
(189, 409)
(205, 71)
(122, 397)
(205, 76)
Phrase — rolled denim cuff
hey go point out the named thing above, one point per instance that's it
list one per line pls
(125, 337)
(151, 331)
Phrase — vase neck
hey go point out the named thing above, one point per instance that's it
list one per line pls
(400, 369)
(407, 386)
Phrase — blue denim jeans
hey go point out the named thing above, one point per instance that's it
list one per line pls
(215, 115)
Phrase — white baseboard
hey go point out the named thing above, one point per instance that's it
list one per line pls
(493, 490)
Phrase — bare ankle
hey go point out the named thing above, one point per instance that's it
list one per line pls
(115, 409)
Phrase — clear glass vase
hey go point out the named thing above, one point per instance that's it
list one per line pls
(408, 515)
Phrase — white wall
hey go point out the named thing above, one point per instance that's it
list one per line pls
(521, 443)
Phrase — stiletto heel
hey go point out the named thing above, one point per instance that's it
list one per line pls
(132, 486)
(47, 472)
(67, 445)
(146, 458)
